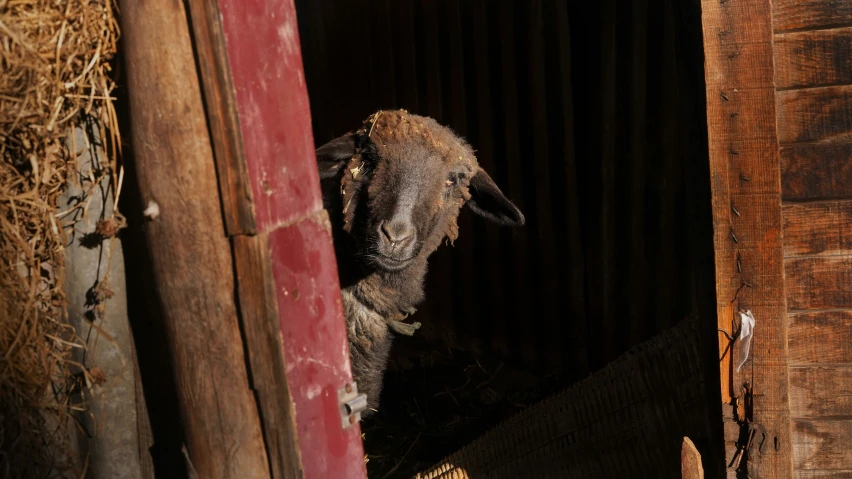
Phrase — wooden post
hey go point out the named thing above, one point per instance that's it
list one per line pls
(690, 461)
(746, 197)
(190, 252)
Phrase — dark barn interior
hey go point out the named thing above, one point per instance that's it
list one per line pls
(591, 118)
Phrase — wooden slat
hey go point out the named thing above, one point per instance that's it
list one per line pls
(805, 474)
(822, 444)
(807, 59)
(819, 282)
(259, 313)
(690, 461)
(221, 109)
(816, 171)
(821, 391)
(819, 114)
(810, 14)
(818, 228)
(820, 337)
(741, 129)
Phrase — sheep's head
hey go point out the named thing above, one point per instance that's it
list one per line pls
(403, 179)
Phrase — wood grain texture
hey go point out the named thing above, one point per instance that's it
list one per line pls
(221, 108)
(690, 461)
(822, 444)
(810, 14)
(806, 474)
(820, 337)
(818, 228)
(747, 214)
(821, 391)
(819, 282)
(818, 114)
(812, 59)
(816, 171)
(259, 313)
(191, 256)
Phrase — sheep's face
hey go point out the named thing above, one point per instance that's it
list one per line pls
(403, 179)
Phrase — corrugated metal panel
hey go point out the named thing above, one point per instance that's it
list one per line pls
(589, 116)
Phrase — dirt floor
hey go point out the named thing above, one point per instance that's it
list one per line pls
(436, 401)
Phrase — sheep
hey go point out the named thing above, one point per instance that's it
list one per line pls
(393, 190)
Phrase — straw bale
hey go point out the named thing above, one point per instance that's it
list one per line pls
(55, 76)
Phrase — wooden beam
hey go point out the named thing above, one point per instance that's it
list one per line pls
(746, 199)
(190, 253)
(234, 186)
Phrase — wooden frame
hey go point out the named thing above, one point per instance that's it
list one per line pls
(746, 198)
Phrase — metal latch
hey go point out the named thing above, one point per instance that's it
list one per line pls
(351, 403)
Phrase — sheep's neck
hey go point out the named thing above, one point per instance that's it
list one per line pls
(389, 293)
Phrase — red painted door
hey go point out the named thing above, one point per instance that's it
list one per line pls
(264, 55)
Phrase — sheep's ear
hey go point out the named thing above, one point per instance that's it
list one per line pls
(332, 156)
(488, 201)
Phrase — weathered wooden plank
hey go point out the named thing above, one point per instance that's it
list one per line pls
(271, 95)
(821, 391)
(741, 116)
(816, 171)
(690, 461)
(259, 313)
(819, 282)
(221, 109)
(835, 474)
(818, 228)
(822, 444)
(809, 59)
(810, 14)
(190, 253)
(819, 114)
(820, 337)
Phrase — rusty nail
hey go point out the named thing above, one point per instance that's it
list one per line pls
(734, 208)
(732, 55)
(733, 236)
(743, 177)
(724, 96)
(736, 113)
(739, 263)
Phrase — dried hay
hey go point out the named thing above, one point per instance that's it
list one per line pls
(55, 76)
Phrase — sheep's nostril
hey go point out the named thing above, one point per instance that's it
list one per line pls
(397, 233)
